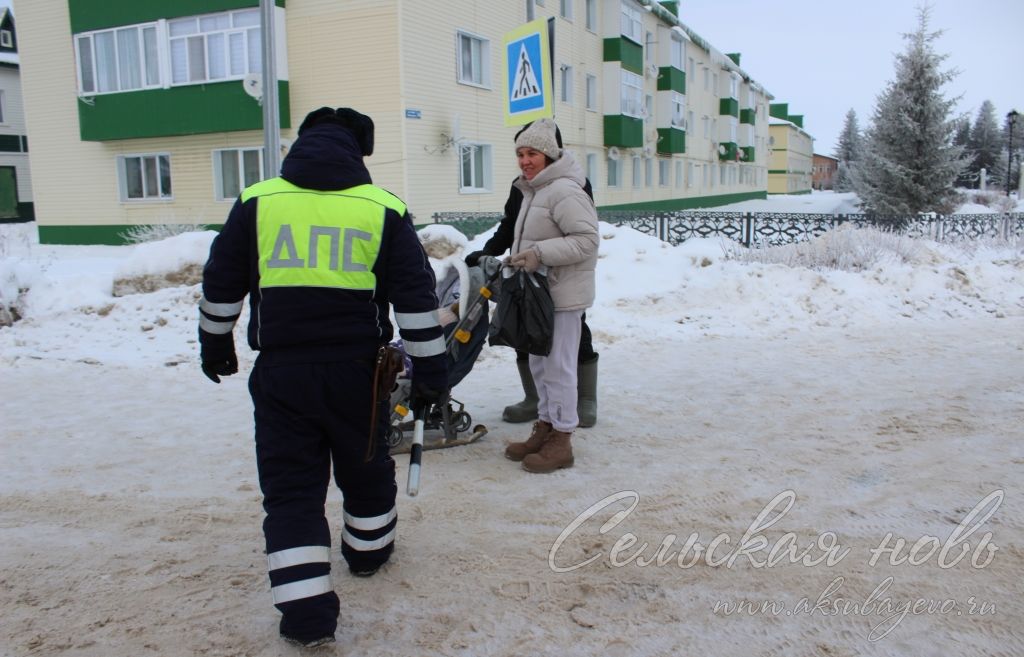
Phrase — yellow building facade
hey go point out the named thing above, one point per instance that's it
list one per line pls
(137, 111)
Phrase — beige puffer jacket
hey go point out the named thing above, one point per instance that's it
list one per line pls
(559, 220)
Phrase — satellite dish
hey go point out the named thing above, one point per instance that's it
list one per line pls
(252, 83)
(722, 150)
(613, 152)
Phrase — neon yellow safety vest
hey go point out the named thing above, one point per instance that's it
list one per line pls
(311, 238)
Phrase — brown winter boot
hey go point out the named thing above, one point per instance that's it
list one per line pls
(532, 445)
(555, 453)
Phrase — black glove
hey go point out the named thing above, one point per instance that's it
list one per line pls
(473, 258)
(218, 359)
(424, 396)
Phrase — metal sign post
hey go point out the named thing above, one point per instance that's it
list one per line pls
(271, 111)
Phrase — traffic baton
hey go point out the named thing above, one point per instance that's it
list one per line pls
(412, 487)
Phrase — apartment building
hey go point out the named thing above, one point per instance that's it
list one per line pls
(791, 152)
(139, 111)
(15, 179)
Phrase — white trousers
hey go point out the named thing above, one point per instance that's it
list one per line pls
(555, 374)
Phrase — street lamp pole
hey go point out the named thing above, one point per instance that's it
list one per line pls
(1011, 117)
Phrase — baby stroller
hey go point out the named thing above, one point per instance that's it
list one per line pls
(463, 294)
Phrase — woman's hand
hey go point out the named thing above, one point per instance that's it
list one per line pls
(528, 260)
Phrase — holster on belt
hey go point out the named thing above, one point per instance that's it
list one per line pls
(388, 364)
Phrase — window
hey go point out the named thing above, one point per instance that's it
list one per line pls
(707, 79)
(591, 167)
(632, 23)
(679, 174)
(689, 174)
(6, 39)
(648, 107)
(591, 92)
(649, 47)
(648, 172)
(144, 177)
(714, 78)
(678, 54)
(664, 167)
(474, 60)
(235, 169)
(637, 173)
(566, 83)
(678, 110)
(531, 12)
(707, 127)
(3, 105)
(691, 71)
(614, 172)
(591, 9)
(475, 169)
(118, 60)
(214, 46)
(632, 94)
(565, 9)
(734, 86)
(690, 125)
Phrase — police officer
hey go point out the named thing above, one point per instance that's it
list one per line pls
(322, 254)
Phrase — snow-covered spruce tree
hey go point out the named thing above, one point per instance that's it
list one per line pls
(985, 142)
(910, 163)
(848, 152)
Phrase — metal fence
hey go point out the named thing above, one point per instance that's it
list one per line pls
(754, 229)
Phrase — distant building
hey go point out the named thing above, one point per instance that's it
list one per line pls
(791, 152)
(15, 179)
(824, 171)
(139, 115)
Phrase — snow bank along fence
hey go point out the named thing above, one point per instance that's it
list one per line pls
(754, 229)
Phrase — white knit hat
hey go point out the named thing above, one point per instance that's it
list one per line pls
(540, 136)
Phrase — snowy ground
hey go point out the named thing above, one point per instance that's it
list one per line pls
(870, 405)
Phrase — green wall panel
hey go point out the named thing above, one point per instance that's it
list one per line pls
(671, 78)
(672, 6)
(89, 15)
(779, 110)
(747, 153)
(729, 106)
(688, 203)
(797, 119)
(748, 116)
(625, 131)
(671, 140)
(621, 49)
(10, 143)
(730, 152)
(188, 110)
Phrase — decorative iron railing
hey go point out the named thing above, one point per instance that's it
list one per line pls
(755, 229)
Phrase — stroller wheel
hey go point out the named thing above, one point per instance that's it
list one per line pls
(394, 437)
(461, 421)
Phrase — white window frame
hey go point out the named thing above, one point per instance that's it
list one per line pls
(679, 173)
(637, 172)
(591, 11)
(565, 83)
(632, 23)
(6, 39)
(631, 94)
(678, 54)
(614, 173)
(664, 169)
(648, 172)
(591, 168)
(484, 184)
(479, 69)
(591, 92)
(218, 170)
(122, 161)
(565, 9)
(678, 103)
(143, 70)
(240, 26)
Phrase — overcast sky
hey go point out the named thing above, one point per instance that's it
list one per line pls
(825, 57)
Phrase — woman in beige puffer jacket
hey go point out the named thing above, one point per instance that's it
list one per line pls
(556, 229)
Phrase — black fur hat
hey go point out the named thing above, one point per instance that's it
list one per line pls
(360, 124)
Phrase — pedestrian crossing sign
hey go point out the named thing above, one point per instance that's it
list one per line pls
(528, 92)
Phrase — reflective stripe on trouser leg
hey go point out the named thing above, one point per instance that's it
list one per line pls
(555, 374)
(293, 461)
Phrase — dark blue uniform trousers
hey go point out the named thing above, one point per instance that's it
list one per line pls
(308, 415)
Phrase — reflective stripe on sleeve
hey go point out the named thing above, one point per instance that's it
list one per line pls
(306, 588)
(423, 320)
(367, 546)
(220, 309)
(369, 524)
(216, 328)
(299, 555)
(424, 349)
